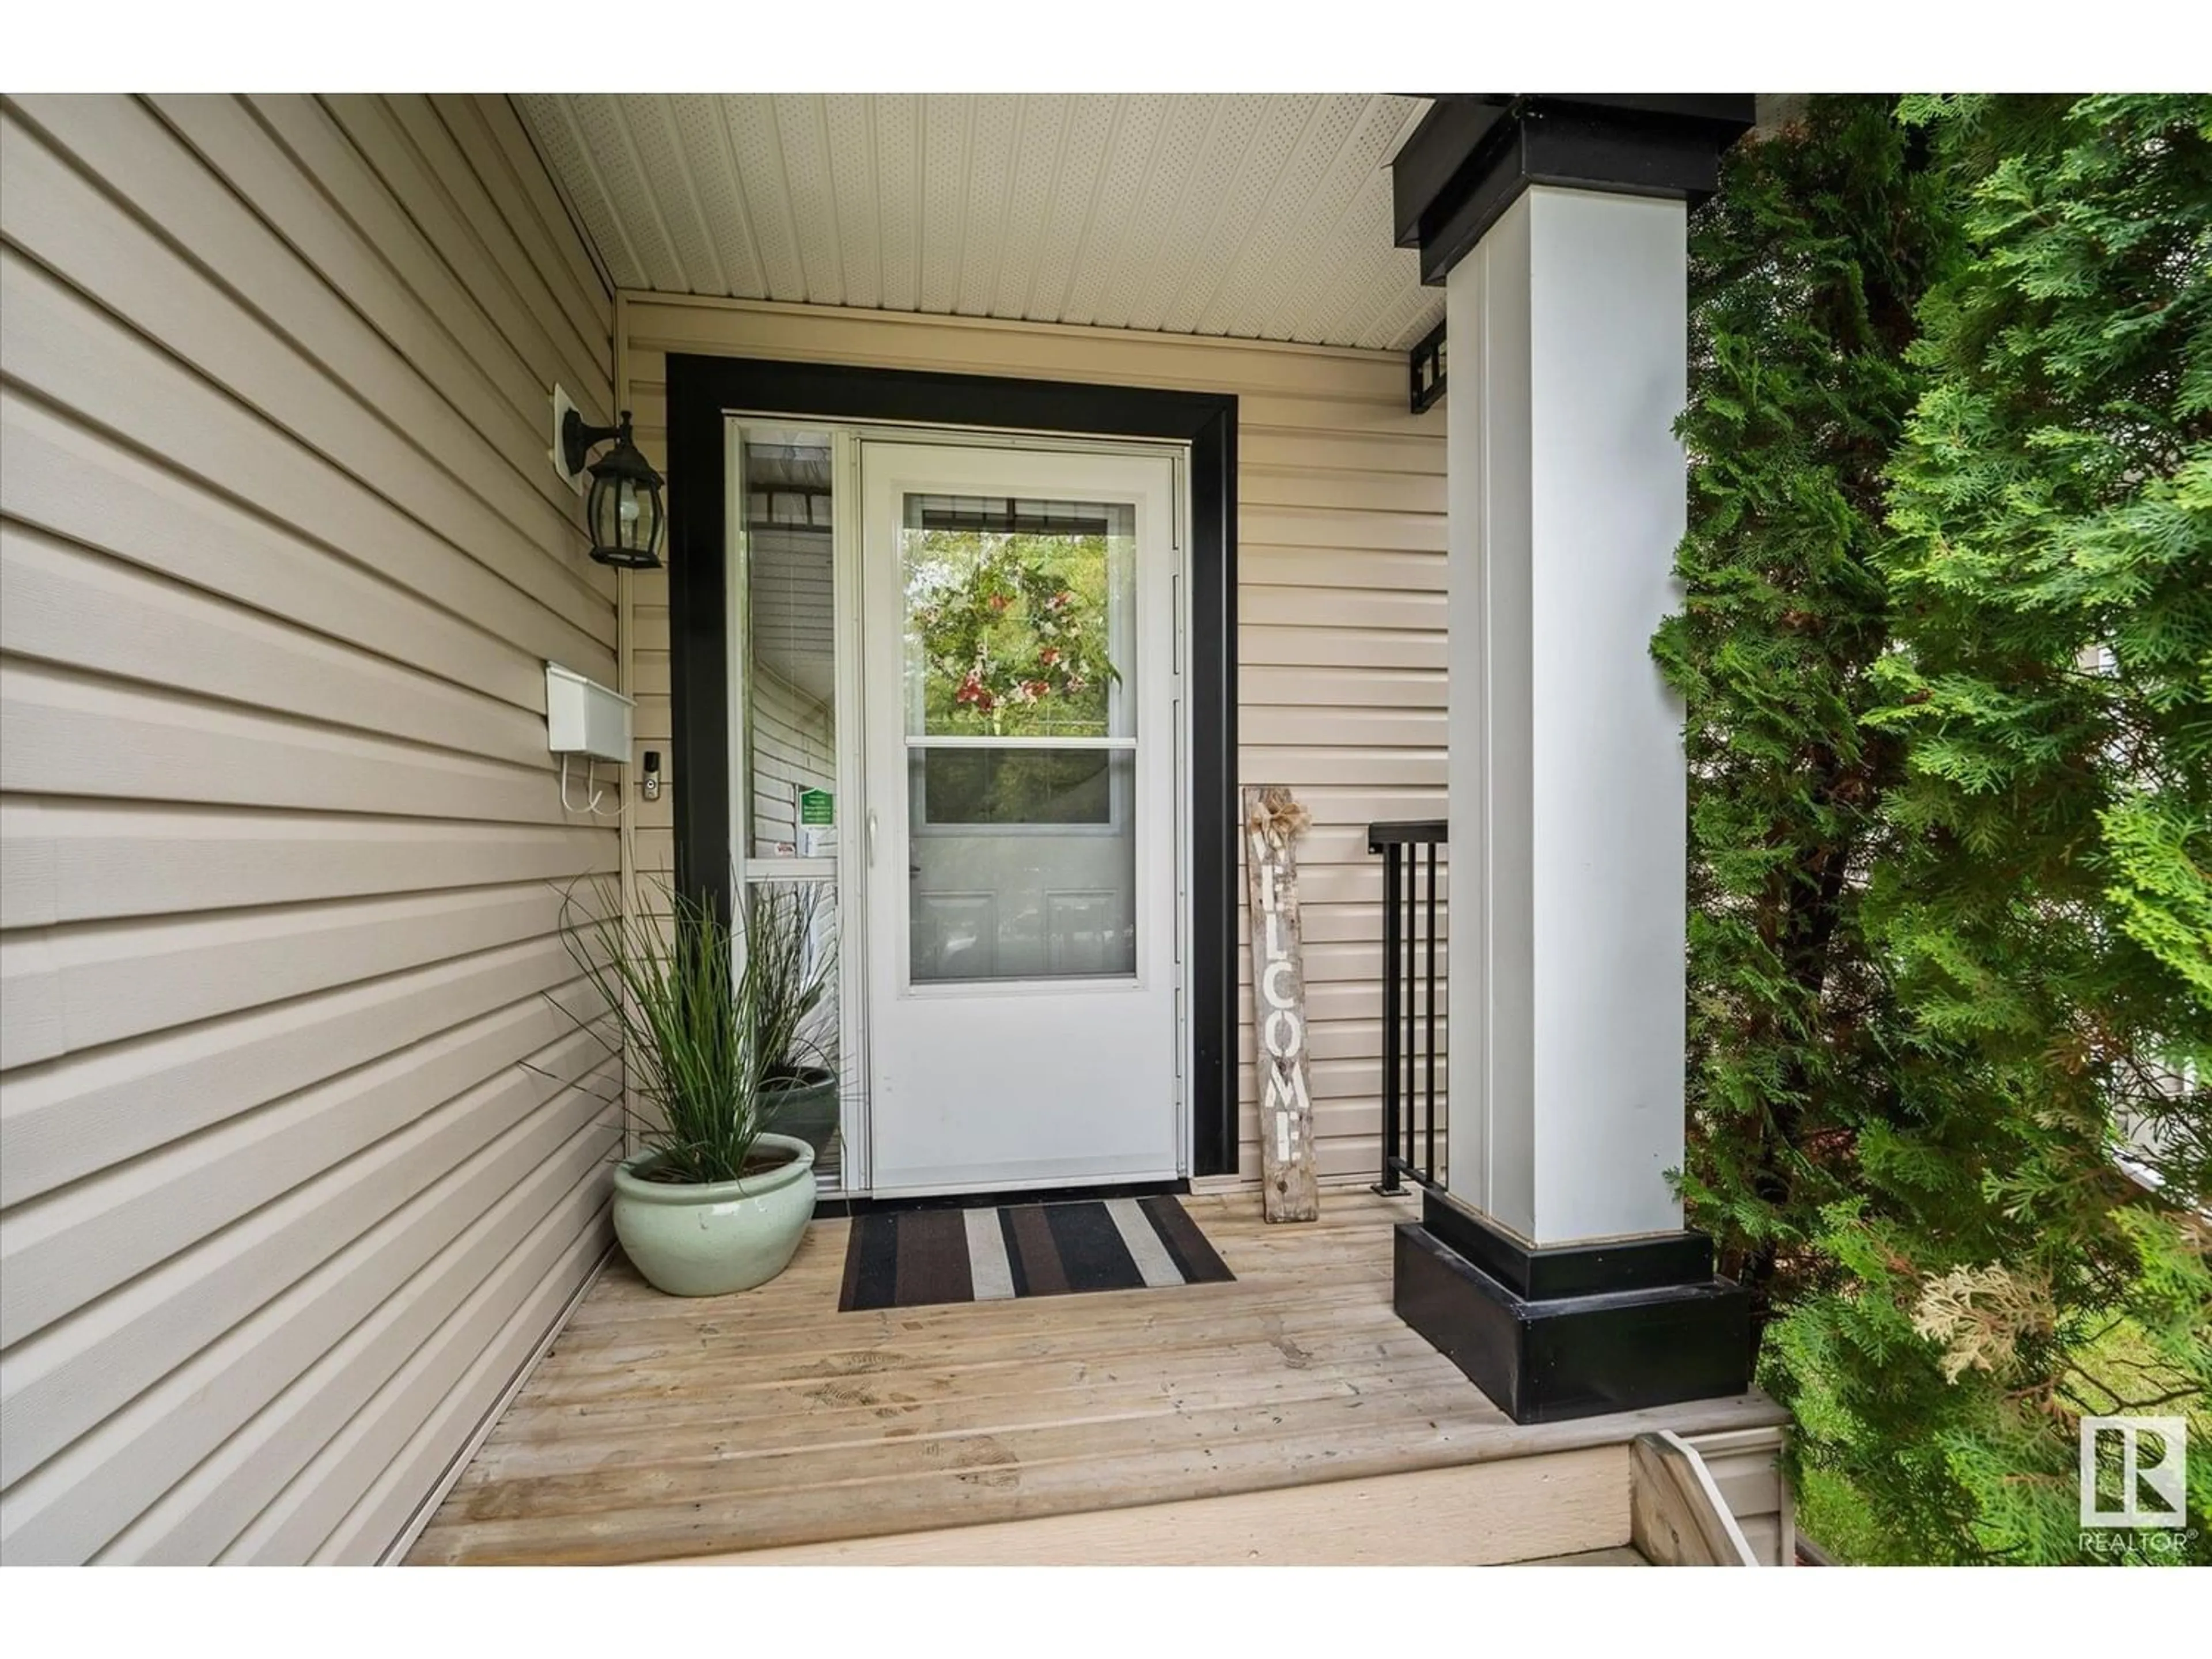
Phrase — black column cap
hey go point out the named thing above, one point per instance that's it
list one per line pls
(1474, 153)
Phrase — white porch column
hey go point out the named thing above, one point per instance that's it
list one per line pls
(1567, 329)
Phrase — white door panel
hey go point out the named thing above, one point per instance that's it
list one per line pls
(1020, 700)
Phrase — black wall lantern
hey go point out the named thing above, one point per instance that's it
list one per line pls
(624, 510)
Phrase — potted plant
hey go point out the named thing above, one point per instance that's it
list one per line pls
(711, 1201)
(790, 960)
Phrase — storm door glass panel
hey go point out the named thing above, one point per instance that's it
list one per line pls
(1021, 738)
(786, 675)
(791, 656)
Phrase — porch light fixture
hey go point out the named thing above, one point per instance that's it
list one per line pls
(624, 511)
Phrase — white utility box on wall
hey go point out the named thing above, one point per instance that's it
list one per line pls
(583, 717)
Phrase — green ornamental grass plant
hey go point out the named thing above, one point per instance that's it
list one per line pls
(790, 971)
(688, 1020)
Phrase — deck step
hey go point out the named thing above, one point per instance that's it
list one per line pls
(1562, 1505)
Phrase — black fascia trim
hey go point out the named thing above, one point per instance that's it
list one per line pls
(1657, 145)
(1454, 128)
(702, 389)
(1732, 110)
(1543, 1273)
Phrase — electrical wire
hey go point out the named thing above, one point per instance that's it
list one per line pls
(597, 795)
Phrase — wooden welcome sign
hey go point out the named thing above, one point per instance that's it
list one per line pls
(1273, 821)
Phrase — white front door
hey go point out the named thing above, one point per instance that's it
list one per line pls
(1021, 827)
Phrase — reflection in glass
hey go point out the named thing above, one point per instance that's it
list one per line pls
(1013, 786)
(785, 672)
(1021, 758)
(790, 660)
(1049, 895)
(1016, 616)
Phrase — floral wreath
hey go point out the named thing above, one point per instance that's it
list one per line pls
(1059, 654)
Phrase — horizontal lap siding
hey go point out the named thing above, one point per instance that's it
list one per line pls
(300, 1148)
(792, 753)
(1340, 691)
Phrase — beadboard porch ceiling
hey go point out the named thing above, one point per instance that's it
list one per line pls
(1262, 216)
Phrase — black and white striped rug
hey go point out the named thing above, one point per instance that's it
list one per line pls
(910, 1258)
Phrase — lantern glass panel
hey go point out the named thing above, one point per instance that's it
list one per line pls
(627, 515)
(603, 511)
(624, 514)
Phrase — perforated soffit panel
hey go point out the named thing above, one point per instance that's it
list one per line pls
(1263, 216)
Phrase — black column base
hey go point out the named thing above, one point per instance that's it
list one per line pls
(1577, 1331)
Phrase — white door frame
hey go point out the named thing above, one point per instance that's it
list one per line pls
(857, 1175)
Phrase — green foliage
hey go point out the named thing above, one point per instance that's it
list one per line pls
(685, 1021)
(2046, 912)
(1805, 269)
(1952, 794)
(790, 963)
(1009, 631)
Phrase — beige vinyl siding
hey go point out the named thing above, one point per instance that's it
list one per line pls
(1341, 639)
(792, 752)
(299, 1157)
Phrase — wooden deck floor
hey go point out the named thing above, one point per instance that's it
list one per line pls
(659, 1428)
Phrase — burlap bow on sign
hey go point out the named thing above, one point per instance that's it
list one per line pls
(1277, 818)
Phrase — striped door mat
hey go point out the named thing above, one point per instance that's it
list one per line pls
(910, 1258)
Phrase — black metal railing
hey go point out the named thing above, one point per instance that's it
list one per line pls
(1410, 959)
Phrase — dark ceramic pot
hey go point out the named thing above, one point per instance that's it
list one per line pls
(804, 1106)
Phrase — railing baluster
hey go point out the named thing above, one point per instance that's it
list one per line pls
(1428, 1096)
(1390, 1181)
(1413, 936)
(1409, 1051)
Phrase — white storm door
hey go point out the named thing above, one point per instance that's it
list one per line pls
(1021, 829)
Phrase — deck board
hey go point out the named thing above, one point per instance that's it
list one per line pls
(657, 1427)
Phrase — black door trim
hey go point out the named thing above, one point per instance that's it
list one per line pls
(701, 390)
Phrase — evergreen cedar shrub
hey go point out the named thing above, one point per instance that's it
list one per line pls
(2050, 914)
(1946, 651)
(1806, 271)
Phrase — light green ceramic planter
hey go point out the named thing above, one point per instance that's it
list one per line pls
(711, 1241)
